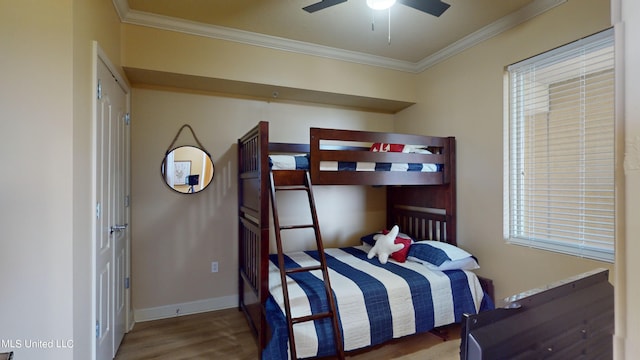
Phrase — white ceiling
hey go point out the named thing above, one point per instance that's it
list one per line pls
(344, 31)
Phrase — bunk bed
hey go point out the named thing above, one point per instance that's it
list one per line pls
(421, 199)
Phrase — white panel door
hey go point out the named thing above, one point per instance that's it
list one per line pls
(120, 223)
(111, 213)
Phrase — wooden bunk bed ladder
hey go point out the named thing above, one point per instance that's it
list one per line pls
(297, 180)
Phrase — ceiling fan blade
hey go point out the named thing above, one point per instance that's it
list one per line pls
(433, 7)
(322, 5)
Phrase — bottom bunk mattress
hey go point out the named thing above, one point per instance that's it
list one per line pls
(375, 302)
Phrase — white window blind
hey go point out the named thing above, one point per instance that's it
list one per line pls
(561, 149)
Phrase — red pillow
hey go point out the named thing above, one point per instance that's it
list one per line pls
(401, 255)
(382, 147)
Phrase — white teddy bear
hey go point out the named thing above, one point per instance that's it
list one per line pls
(385, 245)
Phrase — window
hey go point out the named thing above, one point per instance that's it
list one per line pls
(561, 149)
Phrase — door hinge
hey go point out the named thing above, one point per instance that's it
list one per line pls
(97, 329)
(98, 211)
(99, 90)
(127, 201)
(127, 119)
(126, 283)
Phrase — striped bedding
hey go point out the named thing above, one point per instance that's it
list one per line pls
(370, 166)
(375, 302)
(301, 162)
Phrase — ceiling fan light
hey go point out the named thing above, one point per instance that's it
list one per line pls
(380, 4)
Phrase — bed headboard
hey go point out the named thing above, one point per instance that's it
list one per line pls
(423, 212)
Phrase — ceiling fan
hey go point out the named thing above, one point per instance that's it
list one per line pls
(433, 7)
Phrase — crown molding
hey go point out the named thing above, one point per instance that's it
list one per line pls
(499, 26)
(135, 17)
(122, 8)
(272, 42)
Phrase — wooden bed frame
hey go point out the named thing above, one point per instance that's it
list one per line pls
(422, 204)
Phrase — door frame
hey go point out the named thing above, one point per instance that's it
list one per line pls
(98, 55)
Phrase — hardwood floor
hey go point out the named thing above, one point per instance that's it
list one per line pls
(220, 334)
(224, 334)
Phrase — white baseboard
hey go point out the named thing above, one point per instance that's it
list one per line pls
(193, 307)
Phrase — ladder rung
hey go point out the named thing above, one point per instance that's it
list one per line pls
(311, 317)
(291, 227)
(303, 269)
(289, 188)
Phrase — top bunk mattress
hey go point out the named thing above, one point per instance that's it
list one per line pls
(301, 161)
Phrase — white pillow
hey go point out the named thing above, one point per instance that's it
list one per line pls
(463, 264)
(438, 255)
(288, 162)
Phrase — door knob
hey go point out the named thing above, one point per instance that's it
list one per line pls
(115, 228)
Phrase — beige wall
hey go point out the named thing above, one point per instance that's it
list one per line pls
(36, 128)
(45, 97)
(463, 97)
(186, 54)
(177, 236)
(93, 20)
(43, 62)
(628, 313)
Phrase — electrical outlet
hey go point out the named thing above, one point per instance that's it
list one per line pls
(214, 266)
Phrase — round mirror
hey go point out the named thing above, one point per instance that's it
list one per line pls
(187, 169)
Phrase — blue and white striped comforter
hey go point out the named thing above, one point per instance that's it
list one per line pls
(375, 302)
